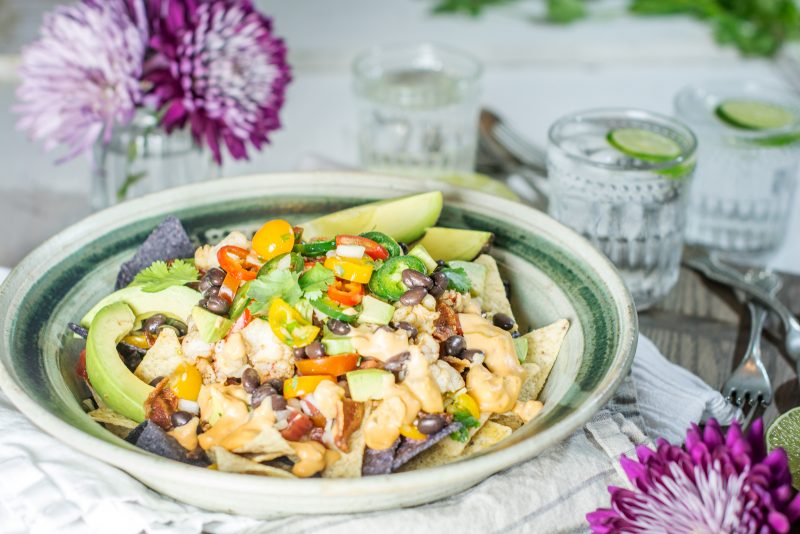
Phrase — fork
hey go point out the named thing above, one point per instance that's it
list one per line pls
(750, 383)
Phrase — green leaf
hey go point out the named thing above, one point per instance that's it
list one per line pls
(467, 422)
(130, 181)
(316, 279)
(160, 276)
(278, 283)
(473, 8)
(457, 279)
(565, 11)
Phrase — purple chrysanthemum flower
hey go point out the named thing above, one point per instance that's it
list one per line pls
(714, 483)
(82, 76)
(217, 66)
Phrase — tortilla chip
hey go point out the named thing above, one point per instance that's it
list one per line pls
(110, 417)
(544, 345)
(152, 438)
(528, 390)
(379, 461)
(411, 448)
(229, 462)
(494, 297)
(162, 358)
(509, 419)
(489, 434)
(169, 241)
(446, 451)
(349, 464)
(265, 444)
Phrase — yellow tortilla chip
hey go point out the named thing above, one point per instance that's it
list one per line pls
(544, 345)
(446, 451)
(229, 462)
(489, 434)
(349, 465)
(509, 419)
(110, 417)
(494, 297)
(265, 442)
(162, 358)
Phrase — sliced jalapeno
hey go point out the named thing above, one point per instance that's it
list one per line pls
(331, 309)
(240, 302)
(314, 249)
(385, 241)
(387, 282)
(296, 264)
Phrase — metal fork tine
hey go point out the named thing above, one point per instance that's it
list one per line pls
(748, 418)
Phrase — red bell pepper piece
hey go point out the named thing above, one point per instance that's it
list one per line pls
(371, 248)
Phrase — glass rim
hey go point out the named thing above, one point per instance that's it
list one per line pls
(715, 87)
(634, 113)
(379, 52)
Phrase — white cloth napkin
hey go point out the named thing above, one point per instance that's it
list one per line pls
(48, 487)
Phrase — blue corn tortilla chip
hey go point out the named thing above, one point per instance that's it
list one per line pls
(378, 462)
(413, 447)
(152, 438)
(169, 241)
(78, 329)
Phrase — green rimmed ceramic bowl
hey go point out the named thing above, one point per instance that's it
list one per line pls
(553, 272)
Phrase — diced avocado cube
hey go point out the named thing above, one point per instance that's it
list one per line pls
(375, 311)
(476, 273)
(212, 327)
(418, 251)
(337, 345)
(521, 346)
(368, 384)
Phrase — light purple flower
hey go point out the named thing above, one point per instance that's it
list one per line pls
(81, 78)
(218, 67)
(713, 483)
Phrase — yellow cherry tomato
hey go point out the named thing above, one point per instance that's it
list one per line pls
(137, 340)
(303, 385)
(411, 432)
(276, 237)
(289, 326)
(185, 381)
(350, 269)
(465, 402)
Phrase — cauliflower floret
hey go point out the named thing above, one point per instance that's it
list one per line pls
(162, 358)
(205, 257)
(461, 302)
(193, 345)
(206, 369)
(418, 316)
(428, 346)
(270, 357)
(447, 378)
(230, 357)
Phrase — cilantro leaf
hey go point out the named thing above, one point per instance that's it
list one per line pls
(318, 278)
(467, 422)
(457, 279)
(472, 8)
(278, 283)
(159, 276)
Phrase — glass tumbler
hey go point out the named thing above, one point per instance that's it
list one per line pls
(417, 110)
(743, 189)
(631, 207)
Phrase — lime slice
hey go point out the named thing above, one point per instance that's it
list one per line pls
(784, 432)
(644, 144)
(755, 115)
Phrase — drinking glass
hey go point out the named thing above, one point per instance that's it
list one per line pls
(417, 110)
(632, 209)
(743, 189)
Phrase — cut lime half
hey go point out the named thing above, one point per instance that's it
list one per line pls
(644, 144)
(755, 114)
(784, 432)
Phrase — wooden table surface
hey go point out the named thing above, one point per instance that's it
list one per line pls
(702, 327)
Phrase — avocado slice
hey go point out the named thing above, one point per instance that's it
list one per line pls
(375, 311)
(212, 327)
(176, 301)
(455, 243)
(404, 219)
(337, 345)
(366, 384)
(120, 389)
(476, 274)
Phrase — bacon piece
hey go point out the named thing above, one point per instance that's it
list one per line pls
(348, 419)
(161, 404)
(447, 323)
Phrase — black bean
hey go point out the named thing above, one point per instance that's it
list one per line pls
(408, 327)
(412, 278)
(471, 354)
(439, 284)
(204, 285)
(440, 264)
(396, 363)
(262, 392)
(455, 345)
(212, 291)
(218, 305)
(250, 380)
(299, 353)
(215, 275)
(278, 403)
(203, 303)
(430, 424)
(277, 384)
(180, 418)
(413, 296)
(403, 247)
(315, 350)
(194, 285)
(156, 381)
(152, 323)
(501, 320)
(515, 334)
(338, 327)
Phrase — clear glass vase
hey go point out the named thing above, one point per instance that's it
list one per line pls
(142, 158)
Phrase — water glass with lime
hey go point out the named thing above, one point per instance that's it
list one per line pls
(749, 153)
(620, 177)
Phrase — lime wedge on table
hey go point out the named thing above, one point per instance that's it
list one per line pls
(644, 144)
(784, 432)
(754, 114)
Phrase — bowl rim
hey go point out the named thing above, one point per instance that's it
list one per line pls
(139, 463)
